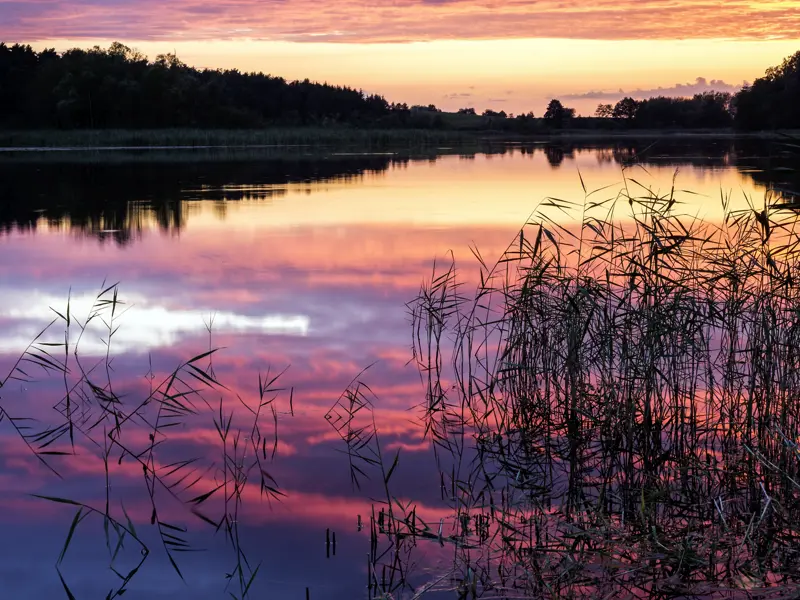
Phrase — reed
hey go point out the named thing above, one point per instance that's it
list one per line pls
(94, 417)
(620, 404)
(341, 137)
(364, 139)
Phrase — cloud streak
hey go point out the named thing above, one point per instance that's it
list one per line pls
(700, 85)
(400, 21)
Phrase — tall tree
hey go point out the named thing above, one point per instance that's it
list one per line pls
(604, 111)
(557, 114)
(625, 109)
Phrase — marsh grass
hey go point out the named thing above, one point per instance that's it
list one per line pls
(621, 402)
(209, 138)
(97, 420)
(614, 410)
(360, 139)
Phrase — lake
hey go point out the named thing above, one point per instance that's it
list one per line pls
(292, 262)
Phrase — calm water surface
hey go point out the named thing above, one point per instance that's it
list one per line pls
(303, 261)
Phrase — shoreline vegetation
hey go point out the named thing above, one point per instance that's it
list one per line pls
(628, 393)
(119, 97)
(336, 137)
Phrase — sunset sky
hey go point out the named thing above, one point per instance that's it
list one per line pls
(510, 55)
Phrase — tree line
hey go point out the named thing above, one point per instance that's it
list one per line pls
(706, 110)
(771, 102)
(119, 87)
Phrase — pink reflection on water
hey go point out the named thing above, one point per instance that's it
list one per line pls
(347, 269)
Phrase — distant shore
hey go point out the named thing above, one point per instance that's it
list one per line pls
(116, 139)
(589, 134)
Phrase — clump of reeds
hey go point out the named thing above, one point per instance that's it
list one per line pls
(94, 416)
(621, 406)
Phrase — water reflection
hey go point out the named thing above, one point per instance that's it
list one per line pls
(118, 197)
(121, 198)
(304, 261)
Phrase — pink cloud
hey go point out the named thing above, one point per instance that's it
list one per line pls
(699, 86)
(403, 20)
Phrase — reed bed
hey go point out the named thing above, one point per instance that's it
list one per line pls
(615, 408)
(364, 139)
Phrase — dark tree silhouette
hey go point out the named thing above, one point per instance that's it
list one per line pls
(118, 87)
(428, 108)
(773, 101)
(556, 110)
(711, 109)
(604, 111)
(625, 109)
(558, 115)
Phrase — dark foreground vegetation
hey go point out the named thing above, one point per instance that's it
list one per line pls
(620, 404)
(119, 88)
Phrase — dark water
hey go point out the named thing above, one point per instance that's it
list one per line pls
(300, 261)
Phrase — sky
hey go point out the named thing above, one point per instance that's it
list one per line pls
(512, 55)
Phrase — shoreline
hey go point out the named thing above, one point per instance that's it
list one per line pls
(219, 139)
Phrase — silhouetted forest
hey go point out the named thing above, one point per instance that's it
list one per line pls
(773, 101)
(120, 88)
(707, 110)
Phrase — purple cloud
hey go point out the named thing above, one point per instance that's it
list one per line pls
(404, 20)
(699, 86)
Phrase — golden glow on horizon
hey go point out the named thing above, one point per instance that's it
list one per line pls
(493, 191)
(516, 75)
